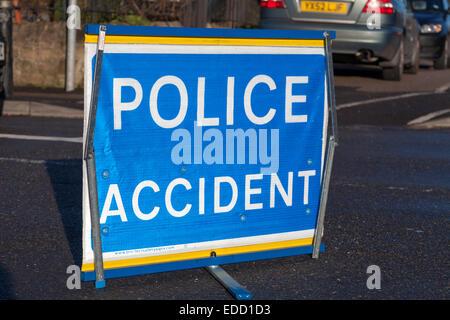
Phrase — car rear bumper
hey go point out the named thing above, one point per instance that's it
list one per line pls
(431, 45)
(350, 38)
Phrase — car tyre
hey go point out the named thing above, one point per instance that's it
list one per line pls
(442, 62)
(395, 73)
(414, 66)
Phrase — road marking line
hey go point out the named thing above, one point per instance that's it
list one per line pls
(439, 90)
(23, 160)
(32, 161)
(443, 88)
(41, 138)
(428, 117)
(401, 96)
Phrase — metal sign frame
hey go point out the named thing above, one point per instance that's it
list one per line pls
(213, 262)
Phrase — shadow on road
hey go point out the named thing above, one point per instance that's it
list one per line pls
(2, 101)
(348, 70)
(362, 71)
(66, 179)
(5, 285)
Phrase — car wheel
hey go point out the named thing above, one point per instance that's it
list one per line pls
(441, 62)
(395, 73)
(413, 68)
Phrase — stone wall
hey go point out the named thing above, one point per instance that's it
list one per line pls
(39, 55)
(39, 50)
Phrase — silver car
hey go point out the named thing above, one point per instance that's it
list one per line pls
(376, 32)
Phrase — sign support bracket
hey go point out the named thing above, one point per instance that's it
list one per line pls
(89, 158)
(233, 287)
(332, 143)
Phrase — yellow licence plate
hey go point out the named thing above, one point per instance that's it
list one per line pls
(324, 6)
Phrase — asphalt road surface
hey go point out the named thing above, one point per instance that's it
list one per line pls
(388, 206)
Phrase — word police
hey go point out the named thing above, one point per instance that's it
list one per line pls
(119, 106)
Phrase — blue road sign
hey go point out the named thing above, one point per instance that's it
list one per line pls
(206, 144)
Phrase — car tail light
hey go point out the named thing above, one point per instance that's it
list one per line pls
(272, 4)
(379, 6)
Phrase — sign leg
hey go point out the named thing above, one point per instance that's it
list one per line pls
(233, 287)
(95, 222)
(89, 157)
(323, 202)
(332, 143)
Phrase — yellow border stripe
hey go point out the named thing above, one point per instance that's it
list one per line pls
(92, 38)
(199, 254)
